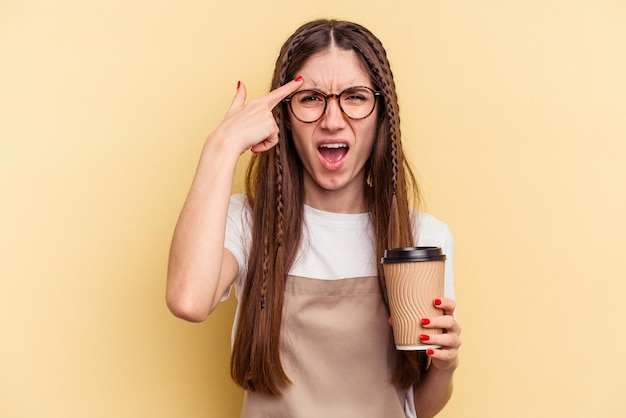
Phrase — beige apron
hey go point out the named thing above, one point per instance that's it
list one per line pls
(337, 350)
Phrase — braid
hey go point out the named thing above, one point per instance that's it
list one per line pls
(382, 73)
(279, 198)
(278, 233)
(256, 363)
(394, 148)
(388, 89)
(279, 148)
(265, 270)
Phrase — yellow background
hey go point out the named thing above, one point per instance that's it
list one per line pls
(513, 111)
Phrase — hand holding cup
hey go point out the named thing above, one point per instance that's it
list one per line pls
(414, 277)
(445, 357)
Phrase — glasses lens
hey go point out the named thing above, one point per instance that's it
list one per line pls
(308, 105)
(357, 102)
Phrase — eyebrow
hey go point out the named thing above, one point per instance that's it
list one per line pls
(315, 88)
(365, 82)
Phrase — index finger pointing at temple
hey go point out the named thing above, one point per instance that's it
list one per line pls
(277, 95)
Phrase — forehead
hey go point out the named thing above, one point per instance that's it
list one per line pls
(334, 68)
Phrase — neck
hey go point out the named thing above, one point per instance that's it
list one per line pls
(349, 200)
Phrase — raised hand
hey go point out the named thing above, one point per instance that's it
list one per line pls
(251, 125)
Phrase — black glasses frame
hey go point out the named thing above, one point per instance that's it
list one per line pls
(330, 96)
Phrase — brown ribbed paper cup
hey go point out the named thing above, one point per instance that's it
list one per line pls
(414, 277)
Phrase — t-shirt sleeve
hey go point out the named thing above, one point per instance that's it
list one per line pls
(236, 239)
(448, 250)
(430, 231)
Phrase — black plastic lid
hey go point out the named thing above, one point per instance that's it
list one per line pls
(409, 254)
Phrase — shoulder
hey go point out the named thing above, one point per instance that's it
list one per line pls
(238, 232)
(239, 208)
(430, 230)
(238, 202)
(427, 222)
(239, 220)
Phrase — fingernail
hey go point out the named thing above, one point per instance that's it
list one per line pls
(299, 78)
(430, 352)
(425, 321)
(238, 85)
(424, 337)
(437, 302)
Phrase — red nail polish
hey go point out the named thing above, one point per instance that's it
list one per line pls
(437, 302)
(299, 78)
(425, 321)
(430, 352)
(238, 85)
(424, 337)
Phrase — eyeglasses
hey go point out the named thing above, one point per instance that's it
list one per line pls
(309, 106)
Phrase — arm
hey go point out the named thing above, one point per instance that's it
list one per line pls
(200, 269)
(434, 391)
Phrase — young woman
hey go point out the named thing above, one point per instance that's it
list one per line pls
(327, 191)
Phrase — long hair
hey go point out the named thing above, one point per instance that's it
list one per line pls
(275, 192)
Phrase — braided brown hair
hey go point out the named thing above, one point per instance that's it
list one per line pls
(275, 191)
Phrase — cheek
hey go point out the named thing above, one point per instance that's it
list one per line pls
(368, 137)
(297, 128)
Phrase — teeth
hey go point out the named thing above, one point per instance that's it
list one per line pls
(333, 146)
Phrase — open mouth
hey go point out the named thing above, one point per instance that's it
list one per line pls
(333, 153)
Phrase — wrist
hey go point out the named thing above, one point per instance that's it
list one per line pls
(443, 367)
(218, 145)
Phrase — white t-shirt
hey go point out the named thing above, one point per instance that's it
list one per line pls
(334, 234)
(344, 248)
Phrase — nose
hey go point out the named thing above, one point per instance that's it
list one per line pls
(333, 117)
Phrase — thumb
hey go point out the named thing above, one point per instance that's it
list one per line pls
(240, 97)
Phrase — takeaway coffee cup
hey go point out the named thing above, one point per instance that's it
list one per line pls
(414, 277)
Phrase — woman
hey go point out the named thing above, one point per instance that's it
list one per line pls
(328, 189)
